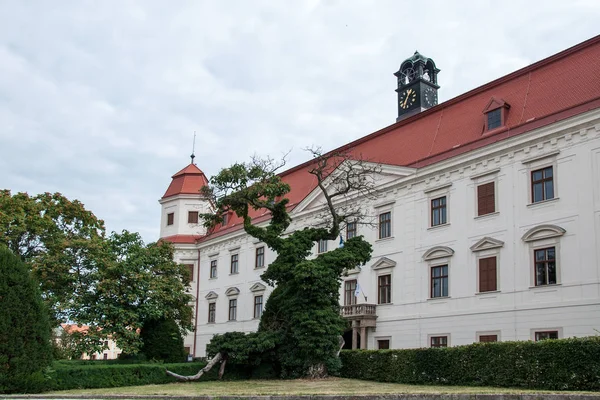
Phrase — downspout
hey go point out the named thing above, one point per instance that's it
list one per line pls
(197, 297)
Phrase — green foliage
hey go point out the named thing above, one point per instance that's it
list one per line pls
(300, 327)
(111, 284)
(25, 348)
(565, 364)
(162, 341)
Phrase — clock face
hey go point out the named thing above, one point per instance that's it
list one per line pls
(407, 98)
(430, 97)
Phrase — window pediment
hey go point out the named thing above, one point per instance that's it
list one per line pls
(543, 232)
(258, 287)
(487, 243)
(384, 262)
(232, 291)
(211, 296)
(494, 104)
(437, 252)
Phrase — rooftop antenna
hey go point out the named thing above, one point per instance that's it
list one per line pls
(193, 148)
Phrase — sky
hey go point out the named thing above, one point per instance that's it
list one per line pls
(99, 100)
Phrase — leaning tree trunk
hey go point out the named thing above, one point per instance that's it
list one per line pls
(210, 364)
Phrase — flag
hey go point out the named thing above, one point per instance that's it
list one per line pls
(357, 290)
(341, 242)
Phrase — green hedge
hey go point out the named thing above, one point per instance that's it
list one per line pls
(66, 375)
(565, 364)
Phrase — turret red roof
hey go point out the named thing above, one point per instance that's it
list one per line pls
(187, 181)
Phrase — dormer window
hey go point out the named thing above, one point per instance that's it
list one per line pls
(495, 114)
(225, 219)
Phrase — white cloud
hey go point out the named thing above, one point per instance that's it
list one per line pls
(99, 100)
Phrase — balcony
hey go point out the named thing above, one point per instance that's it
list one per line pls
(362, 317)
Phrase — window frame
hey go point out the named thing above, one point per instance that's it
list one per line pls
(259, 255)
(545, 261)
(170, 218)
(193, 217)
(232, 310)
(540, 162)
(542, 182)
(382, 223)
(433, 209)
(322, 246)
(354, 229)
(236, 262)
(349, 292)
(379, 340)
(261, 303)
(494, 186)
(431, 280)
(537, 331)
(483, 256)
(213, 269)
(388, 286)
(190, 268)
(436, 337)
(212, 312)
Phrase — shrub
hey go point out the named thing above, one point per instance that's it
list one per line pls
(162, 341)
(25, 348)
(566, 364)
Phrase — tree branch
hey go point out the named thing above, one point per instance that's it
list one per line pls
(204, 370)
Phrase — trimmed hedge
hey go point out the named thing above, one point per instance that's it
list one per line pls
(67, 375)
(565, 364)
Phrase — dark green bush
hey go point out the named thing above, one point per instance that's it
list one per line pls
(25, 348)
(566, 364)
(162, 341)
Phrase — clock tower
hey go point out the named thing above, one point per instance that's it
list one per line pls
(417, 85)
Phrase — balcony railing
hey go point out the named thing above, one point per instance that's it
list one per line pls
(359, 310)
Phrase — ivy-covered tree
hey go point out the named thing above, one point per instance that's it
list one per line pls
(25, 348)
(301, 327)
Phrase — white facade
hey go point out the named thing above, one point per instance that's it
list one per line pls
(569, 223)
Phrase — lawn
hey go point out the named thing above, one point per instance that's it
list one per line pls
(329, 386)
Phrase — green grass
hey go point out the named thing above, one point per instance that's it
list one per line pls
(329, 386)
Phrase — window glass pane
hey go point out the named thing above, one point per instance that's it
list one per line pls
(549, 190)
(551, 273)
(540, 274)
(443, 217)
(540, 255)
(444, 286)
(551, 253)
(537, 175)
(538, 192)
(548, 172)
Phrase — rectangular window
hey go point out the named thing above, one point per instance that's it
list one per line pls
(487, 274)
(439, 281)
(192, 217)
(170, 218)
(385, 225)
(187, 350)
(383, 344)
(384, 289)
(488, 338)
(349, 289)
(350, 230)
(486, 199)
(234, 264)
(232, 309)
(106, 356)
(190, 268)
(212, 312)
(543, 335)
(213, 269)
(260, 257)
(542, 184)
(439, 341)
(545, 266)
(494, 119)
(258, 306)
(438, 211)
(322, 246)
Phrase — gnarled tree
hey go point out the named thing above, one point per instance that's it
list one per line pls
(300, 328)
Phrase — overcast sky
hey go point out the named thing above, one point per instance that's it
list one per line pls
(99, 99)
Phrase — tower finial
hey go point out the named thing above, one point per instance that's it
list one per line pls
(193, 148)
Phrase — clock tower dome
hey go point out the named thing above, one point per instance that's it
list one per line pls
(417, 85)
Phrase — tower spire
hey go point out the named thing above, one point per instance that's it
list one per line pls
(193, 148)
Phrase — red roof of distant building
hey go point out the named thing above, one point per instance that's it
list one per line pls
(556, 88)
(190, 239)
(187, 181)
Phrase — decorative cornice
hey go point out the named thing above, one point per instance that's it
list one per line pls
(543, 232)
(384, 262)
(437, 252)
(211, 295)
(487, 243)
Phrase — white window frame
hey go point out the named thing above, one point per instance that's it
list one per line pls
(436, 193)
(533, 331)
(482, 179)
(447, 335)
(478, 334)
(540, 162)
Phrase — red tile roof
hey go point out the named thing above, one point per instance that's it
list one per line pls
(190, 239)
(558, 87)
(187, 181)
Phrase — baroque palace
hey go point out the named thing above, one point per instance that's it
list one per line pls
(487, 224)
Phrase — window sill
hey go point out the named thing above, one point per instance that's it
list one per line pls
(259, 267)
(543, 202)
(210, 323)
(212, 278)
(488, 292)
(438, 226)
(384, 239)
(439, 298)
(233, 273)
(382, 304)
(484, 216)
(550, 286)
